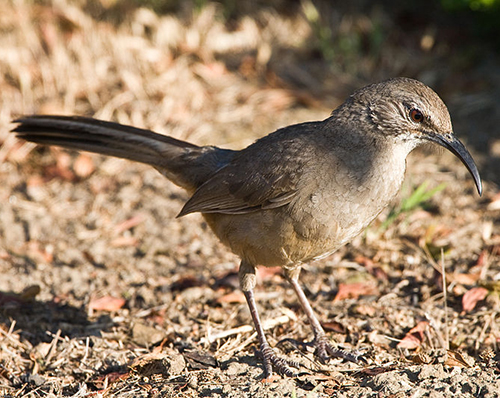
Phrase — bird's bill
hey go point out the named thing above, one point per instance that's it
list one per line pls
(454, 145)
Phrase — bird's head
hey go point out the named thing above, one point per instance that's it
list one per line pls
(410, 111)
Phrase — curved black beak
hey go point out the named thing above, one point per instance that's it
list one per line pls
(454, 145)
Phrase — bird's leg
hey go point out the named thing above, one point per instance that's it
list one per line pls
(324, 348)
(270, 359)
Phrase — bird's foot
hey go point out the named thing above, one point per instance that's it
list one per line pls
(325, 350)
(280, 365)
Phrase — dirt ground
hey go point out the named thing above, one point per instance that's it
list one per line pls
(104, 293)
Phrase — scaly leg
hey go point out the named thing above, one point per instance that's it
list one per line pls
(269, 357)
(324, 349)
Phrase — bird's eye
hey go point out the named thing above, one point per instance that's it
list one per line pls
(416, 116)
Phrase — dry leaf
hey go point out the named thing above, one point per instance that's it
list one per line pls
(371, 267)
(472, 297)
(461, 359)
(107, 303)
(29, 293)
(34, 181)
(336, 327)
(141, 360)
(482, 259)
(199, 359)
(186, 282)
(354, 290)
(233, 297)
(4, 255)
(410, 342)
(414, 337)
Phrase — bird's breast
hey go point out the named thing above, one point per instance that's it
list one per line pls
(336, 201)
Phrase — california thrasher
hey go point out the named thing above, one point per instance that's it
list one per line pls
(293, 196)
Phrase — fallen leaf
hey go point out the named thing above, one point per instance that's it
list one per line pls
(336, 327)
(271, 379)
(40, 252)
(410, 342)
(198, 360)
(482, 259)
(107, 303)
(34, 181)
(43, 349)
(461, 359)
(472, 297)
(29, 293)
(414, 337)
(233, 297)
(4, 255)
(371, 267)
(354, 290)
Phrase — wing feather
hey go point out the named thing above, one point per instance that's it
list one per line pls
(259, 177)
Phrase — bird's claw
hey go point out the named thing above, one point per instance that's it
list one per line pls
(280, 365)
(325, 350)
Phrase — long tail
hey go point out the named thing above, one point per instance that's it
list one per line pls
(185, 164)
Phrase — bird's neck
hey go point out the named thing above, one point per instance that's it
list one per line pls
(375, 169)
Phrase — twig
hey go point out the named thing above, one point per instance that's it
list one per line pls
(52, 349)
(267, 324)
(445, 301)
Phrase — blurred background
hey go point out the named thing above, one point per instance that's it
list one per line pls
(226, 72)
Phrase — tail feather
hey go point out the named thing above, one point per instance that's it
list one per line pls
(185, 164)
(98, 136)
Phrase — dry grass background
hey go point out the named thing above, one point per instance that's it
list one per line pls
(78, 228)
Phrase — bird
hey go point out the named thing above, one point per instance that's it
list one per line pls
(291, 197)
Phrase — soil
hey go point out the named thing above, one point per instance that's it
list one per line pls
(105, 293)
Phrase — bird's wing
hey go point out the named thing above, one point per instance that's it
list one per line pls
(231, 192)
(265, 175)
